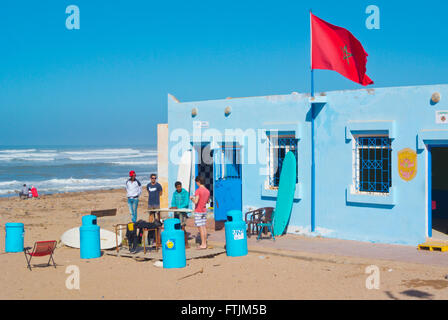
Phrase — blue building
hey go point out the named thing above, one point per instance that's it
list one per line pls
(372, 164)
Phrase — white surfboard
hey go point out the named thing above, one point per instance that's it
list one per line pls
(108, 241)
(184, 171)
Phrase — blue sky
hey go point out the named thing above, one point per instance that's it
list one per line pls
(107, 82)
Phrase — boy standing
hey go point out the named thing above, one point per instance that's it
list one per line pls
(200, 199)
(154, 193)
(133, 191)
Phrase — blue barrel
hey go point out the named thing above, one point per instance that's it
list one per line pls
(173, 244)
(236, 237)
(90, 241)
(14, 236)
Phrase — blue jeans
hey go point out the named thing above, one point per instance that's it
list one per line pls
(133, 204)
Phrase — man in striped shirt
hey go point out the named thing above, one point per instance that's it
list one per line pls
(200, 199)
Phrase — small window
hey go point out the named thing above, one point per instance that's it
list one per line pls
(280, 143)
(228, 162)
(373, 165)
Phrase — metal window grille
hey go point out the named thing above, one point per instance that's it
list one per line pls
(373, 164)
(279, 146)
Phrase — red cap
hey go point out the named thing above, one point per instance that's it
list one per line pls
(131, 173)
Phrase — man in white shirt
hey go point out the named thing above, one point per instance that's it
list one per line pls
(24, 193)
(133, 191)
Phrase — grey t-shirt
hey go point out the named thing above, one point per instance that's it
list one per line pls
(154, 192)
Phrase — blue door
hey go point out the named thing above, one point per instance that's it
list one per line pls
(227, 186)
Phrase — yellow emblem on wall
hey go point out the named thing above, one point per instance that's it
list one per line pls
(407, 164)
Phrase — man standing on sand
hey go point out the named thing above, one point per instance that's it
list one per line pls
(200, 199)
(154, 193)
(180, 201)
(133, 191)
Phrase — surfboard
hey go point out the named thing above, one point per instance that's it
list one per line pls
(184, 170)
(108, 241)
(285, 194)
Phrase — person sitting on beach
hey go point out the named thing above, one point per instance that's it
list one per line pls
(34, 193)
(133, 191)
(154, 193)
(180, 201)
(200, 199)
(23, 194)
(30, 194)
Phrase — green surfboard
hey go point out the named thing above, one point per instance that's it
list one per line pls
(285, 194)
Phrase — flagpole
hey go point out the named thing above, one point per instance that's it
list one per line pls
(313, 166)
(311, 58)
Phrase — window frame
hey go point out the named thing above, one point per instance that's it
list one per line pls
(284, 134)
(356, 165)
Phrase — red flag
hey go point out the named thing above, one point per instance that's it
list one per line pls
(335, 48)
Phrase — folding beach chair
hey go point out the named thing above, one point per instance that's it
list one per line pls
(41, 248)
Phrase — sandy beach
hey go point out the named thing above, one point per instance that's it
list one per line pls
(295, 275)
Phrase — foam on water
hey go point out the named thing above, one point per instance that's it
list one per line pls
(134, 163)
(17, 150)
(104, 151)
(72, 169)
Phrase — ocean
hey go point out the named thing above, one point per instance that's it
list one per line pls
(56, 169)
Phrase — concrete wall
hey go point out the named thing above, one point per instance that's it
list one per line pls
(405, 113)
(162, 162)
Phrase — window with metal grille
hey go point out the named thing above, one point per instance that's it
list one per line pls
(373, 166)
(279, 145)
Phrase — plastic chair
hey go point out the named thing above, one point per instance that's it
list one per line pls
(41, 248)
(267, 222)
(254, 220)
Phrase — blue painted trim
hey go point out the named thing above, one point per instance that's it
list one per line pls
(281, 127)
(388, 200)
(437, 143)
(366, 127)
(432, 137)
(429, 192)
(272, 193)
(196, 171)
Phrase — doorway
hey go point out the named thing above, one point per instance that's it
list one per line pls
(438, 157)
(228, 182)
(221, 169)
(204, 167)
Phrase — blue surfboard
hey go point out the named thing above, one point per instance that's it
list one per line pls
(285, 194)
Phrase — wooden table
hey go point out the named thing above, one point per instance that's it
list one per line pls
(158, 211)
